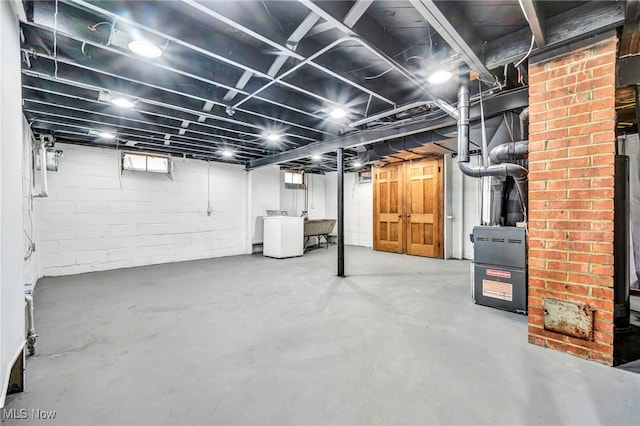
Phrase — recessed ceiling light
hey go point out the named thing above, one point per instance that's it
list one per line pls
(273, 137)
(338, 113)
(357, 164)
(316, 157)
(227, 153)
(145, 49)
(439, 76)
(122, 102)
(106, 135)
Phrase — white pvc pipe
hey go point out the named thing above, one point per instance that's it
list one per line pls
(31, 326)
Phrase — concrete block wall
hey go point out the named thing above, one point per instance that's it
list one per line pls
(93, 220)
(358, 208)
(265, 195)
(316, 202)
(29, 213)
(572, 148)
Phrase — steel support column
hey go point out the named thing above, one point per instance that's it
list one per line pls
(340, 180)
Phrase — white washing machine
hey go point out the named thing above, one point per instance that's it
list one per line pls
(283, 236)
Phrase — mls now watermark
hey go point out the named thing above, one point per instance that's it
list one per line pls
(23, 414)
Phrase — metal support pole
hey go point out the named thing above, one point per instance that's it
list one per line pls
(340, 212)
(638, 107)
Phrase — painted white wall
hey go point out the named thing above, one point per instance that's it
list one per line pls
(358, 208)
(316, 207)
(265, 195)
(11, 262)
(29, 213)
(291, 200)
(294, 201)
(465, 209)
(95, 221)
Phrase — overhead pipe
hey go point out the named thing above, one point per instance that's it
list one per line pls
(516, 171)
(509, 151)
(44, 188)
(524, 118)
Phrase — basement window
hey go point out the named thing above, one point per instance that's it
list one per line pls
(294, 180)
(364, 176)
(146, 163)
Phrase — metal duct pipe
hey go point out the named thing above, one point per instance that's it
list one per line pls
(44, 191)
(519, 173)
(463, 117)
(509, 151)
(524, 117)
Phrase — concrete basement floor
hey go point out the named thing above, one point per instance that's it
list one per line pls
(252, 340)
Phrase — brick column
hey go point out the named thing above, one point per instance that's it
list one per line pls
(571, 161)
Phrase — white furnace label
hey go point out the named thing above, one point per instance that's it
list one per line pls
(497, 290)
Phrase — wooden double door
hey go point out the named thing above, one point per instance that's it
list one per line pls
(408, 208)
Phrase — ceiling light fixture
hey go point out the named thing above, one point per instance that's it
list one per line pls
(357, 164)
(338, 113)
(107, 135)
(316, 157)
(227, 153)
(122, 102)
(273, 137)
(145, 49)
(439, 76)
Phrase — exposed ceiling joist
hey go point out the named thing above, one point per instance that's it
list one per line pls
(280, 60)
(356, 12)
(438, 20)
(627, 71)
(496, 105)
(581, 21)
(535, 20)
(630, 38)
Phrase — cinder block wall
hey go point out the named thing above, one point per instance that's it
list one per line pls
(358, 208)
(94, 221)
(572, 149)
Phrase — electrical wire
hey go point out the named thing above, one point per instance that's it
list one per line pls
(272, 17)
(93, 27)
(533, 39)
(373, 77)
